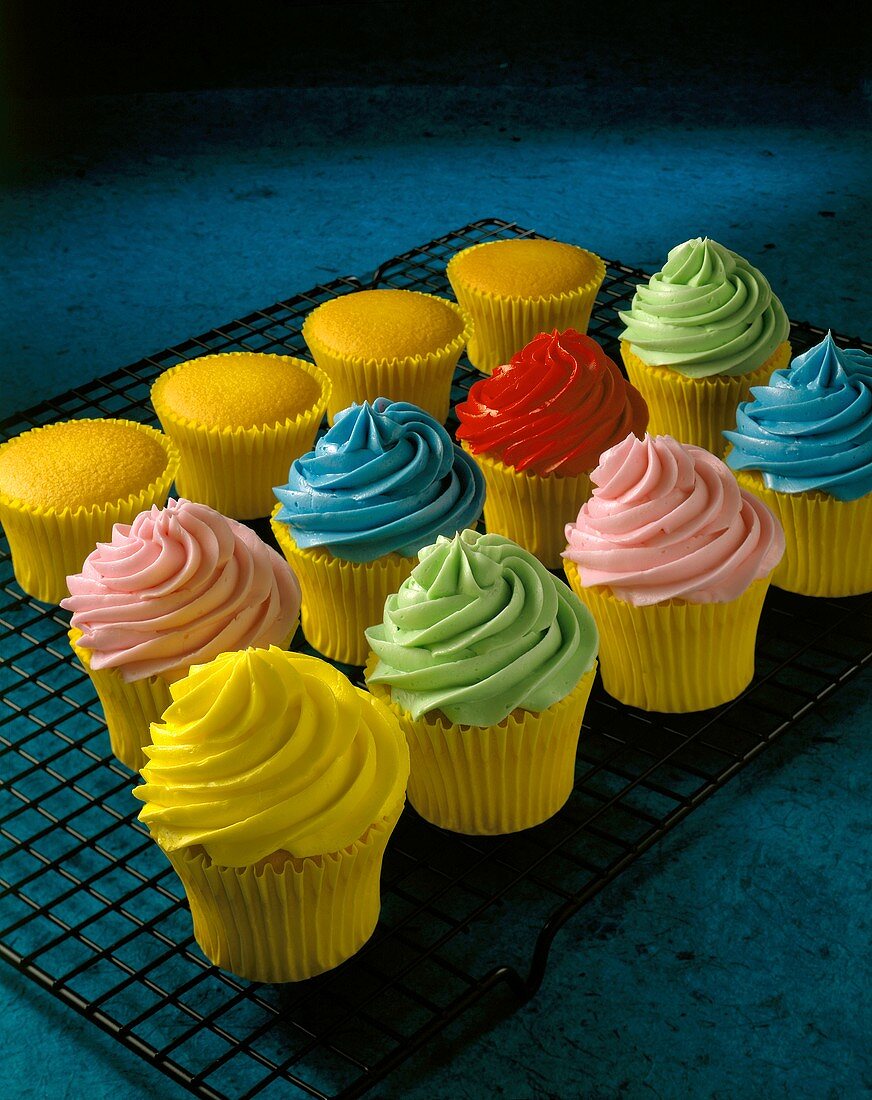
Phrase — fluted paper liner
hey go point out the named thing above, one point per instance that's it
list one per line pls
(341, 598)
(674, 656)
(490, 780)
(424, 380)
(286, 919)
(696, 410)
(130, 707)
(530, 509)
(48, 545)
(233, 470)
(828, 542)
(503, 325)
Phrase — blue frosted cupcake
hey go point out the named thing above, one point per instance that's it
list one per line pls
(803, 445)
(383, 482)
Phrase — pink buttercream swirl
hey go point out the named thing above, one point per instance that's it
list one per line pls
(175, 588)
(669, 521)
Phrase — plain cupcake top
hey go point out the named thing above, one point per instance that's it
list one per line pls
(707, 312)
(386, 478)
(385, 325)
(668, 520)
(811, 427)
(525, 268)
(479, 629)
(265, 751)
(178, 586)
(554, 408)
(83, 463)
(238, 390)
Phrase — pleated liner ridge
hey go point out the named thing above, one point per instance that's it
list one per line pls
(286, 919)
(828, 542)
(696, 410)
(489, 780)
(530, 509)
(674, 656)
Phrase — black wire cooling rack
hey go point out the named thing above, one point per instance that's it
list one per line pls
(91, 911)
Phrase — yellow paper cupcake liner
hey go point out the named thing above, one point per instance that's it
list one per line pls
(233, 470)
(48, 545)
(341, 598)
(489, 780)
(696, 410)
(503, 325)
(130, 707)
(827, 541)
(424, 380)
(674, 656)
(529, 509)
(286, 919)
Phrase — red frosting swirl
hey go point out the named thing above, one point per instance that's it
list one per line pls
(554, 408)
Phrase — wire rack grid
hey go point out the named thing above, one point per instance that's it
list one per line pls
(91, 911)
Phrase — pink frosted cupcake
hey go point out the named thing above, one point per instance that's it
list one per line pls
(175, 588)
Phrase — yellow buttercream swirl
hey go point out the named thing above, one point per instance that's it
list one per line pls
(264, 751)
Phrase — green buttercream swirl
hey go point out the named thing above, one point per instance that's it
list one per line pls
(707, 312)
(481, 627)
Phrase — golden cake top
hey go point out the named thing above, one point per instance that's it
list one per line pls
(81, 463)
(236, 390)
(524, 268)
(384, 324)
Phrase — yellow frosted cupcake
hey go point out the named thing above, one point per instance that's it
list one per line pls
(698, 336)
(515, 289)
(488, 661)
(62, 487)
(673, 560)
(175, 588)
(397, 343)
(272, 786)
(239, 419)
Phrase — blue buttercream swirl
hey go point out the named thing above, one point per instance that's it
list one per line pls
(385, 478)
(811, 427)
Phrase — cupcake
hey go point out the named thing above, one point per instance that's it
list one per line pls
(63, 486)
(673, 560)
(272, 786)
(239, 420)
(803, 445)
(537, 428)
(698, 336)
(384, 481)
(487, 660)
(516, 288)
(175, 588)
(398, 342)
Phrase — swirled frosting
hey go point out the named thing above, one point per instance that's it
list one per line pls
(178, 586)
(554, 408)
(481, 627)
(707, 312)
(264, 751)
(668, 521)
(385, 478)
(811, 427)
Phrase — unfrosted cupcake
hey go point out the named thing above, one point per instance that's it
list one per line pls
(175, 588)
(538, 426)
(272, 786)
(239, 420)
(488, 661)
(516, 288)
(673, 560)
(399, 342)
(384, 481)
(803, 445)
(698, 336)
(63, 486)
